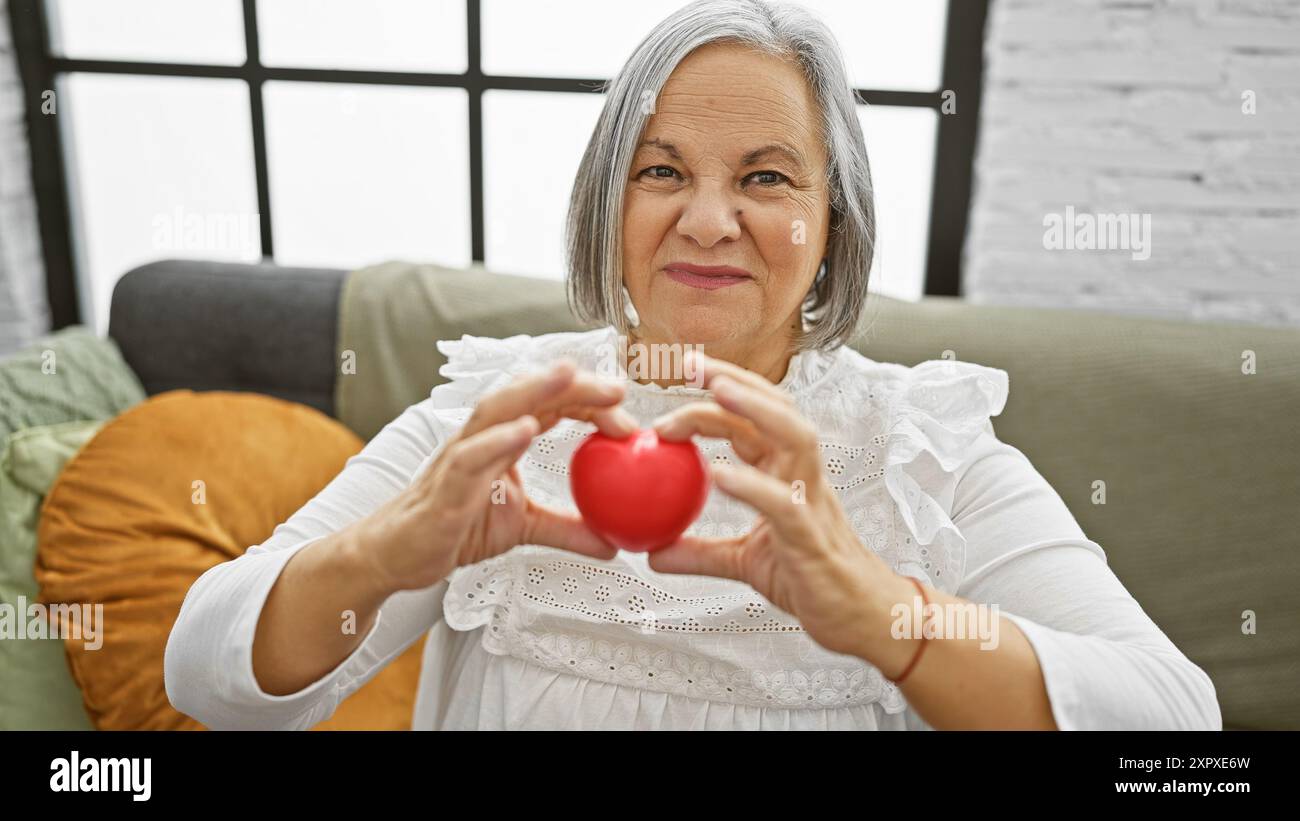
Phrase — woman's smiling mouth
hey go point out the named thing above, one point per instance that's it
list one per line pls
(708, 277)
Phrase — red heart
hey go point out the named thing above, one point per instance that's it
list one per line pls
(640, 492)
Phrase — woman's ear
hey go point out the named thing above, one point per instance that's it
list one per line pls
(806, 316)
(818, 279)
(629, 310)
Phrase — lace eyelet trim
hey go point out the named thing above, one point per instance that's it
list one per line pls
(649, 667)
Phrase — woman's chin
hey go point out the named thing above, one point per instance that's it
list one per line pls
(703, 326)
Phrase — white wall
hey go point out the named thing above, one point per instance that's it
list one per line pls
(1137, 107)
(24, 314)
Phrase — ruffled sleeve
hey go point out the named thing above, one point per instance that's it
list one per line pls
(477, 365)
(940, 422)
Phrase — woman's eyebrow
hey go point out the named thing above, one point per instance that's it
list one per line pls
(781, 149)
(750, 158)
(666, 147)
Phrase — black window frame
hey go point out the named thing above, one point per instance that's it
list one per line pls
(39, 70)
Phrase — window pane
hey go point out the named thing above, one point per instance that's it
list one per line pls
(158, 167)
(578, 38)
(887, 44)
(386, 35)
(361, 174)
(529, 173)
(193, 31)
(900, 148)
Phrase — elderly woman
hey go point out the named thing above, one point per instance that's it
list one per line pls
(867, 527)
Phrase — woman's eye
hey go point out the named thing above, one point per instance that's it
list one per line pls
(772, 178)
(767, 179)
(655, 168)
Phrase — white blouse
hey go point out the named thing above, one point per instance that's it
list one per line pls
(544, 638)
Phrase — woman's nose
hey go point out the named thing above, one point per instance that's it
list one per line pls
(710, 216)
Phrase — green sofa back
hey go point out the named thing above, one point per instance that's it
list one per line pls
(1197, 457)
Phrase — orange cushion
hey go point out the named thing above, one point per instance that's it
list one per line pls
(120, 527)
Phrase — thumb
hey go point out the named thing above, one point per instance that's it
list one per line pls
(700, 557)
(566, 531)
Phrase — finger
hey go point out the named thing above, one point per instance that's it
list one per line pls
(508, 465)
(485, 454)
(712, 420)
(706, 368)
(520, 396)
(770, 496)
(701, 557)
(537, 394)
(567, 531)
(584, 400)
(615, 421)
(775, 419)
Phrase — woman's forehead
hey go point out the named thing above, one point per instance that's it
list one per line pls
(726, 92)
(735, 78)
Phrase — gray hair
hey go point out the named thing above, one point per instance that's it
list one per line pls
(593, 230)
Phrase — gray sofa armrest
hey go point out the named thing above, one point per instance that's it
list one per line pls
(231, 326)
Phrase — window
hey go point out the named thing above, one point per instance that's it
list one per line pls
(339, 133)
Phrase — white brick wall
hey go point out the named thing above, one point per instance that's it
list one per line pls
(24, 314)
(1135, 106)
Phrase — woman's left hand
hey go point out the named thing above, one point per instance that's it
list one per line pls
(802, 554)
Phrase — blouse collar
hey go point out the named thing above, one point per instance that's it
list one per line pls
(805, 369)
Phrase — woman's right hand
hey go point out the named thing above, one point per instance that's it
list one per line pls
(469, 504)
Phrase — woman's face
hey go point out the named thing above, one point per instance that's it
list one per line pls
(730, 172)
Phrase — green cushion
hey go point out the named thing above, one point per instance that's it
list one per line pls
(392, 315)
(36, 687)
(65, 377)
(1198, 459)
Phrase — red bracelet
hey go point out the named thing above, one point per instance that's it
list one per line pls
(925, 601)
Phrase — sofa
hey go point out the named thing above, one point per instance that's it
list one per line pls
(1174, 444)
